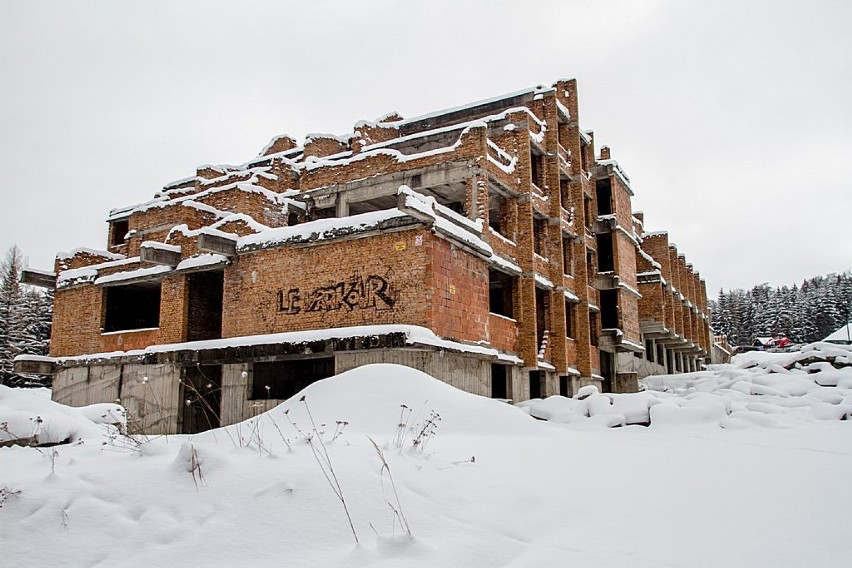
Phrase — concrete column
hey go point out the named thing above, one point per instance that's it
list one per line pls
(342, 208)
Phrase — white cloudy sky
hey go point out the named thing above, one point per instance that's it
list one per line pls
(732, 118)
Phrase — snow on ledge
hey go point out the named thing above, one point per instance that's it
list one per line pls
(415, 335)
(319, 230)
(205, 260)
(35, 358)
(132, 275)
(94, 252)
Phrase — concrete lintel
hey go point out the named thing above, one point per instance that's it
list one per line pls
(155, 255)
(387, 184)
(40, 366)
(38, 278)
(501, 187)
(217, 244)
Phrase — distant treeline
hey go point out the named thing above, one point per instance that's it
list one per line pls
(805, 313)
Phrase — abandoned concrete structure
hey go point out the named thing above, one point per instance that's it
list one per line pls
(486, 245)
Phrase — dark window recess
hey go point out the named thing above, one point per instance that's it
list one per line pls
(499, 387)
(542, 309)
(326, 213)
(535, 384)
(590, 264)
(282, 379)
(593, 328)
(496, 206)
(649, 351)
(204, 320)
(603, 188)
(201, 391)
(606, 260)
(456, 207)
(565, 386)
(584, 157)
(567, 257)
(131, 307)
(587, 210)
(537, 167)
(292, 219)
(500, 293)
(660, 354)
(570, 318)
(118, 230)
(565, 194)
(539, 236)
(607, 370)
(609, 309)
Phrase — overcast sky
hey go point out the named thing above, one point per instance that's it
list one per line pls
(732, 119)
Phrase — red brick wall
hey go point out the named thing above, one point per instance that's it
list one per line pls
(459, 287)
(298, 288)
(503, 333)
(76, 321)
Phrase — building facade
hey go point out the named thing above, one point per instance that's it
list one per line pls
(489, 245)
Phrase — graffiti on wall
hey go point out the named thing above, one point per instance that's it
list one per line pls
(357, 292)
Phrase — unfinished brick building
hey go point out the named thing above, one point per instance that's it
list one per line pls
(486, 245)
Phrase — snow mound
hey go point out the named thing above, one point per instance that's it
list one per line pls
(376, 399)
(28, 417)
(757, 389)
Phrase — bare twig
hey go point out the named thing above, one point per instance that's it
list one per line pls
(398, 508)
(324, 461)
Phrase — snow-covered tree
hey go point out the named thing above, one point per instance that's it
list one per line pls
(25, 316)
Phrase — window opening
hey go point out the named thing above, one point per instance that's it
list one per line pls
(537, 167)
(588, 211)
(499, 386)
(606, 259)
(565, 386)
(607, 370)
(135, 306)
(539, 236)
(500, 293)
(119, 230)
(567, 257)
(609, 309)
(279, 380)
(496, 208)
(603, 189)
(593, 328)
(535, 384)
(565, 191)
(541, 313)
(204, 317)
(570, 317)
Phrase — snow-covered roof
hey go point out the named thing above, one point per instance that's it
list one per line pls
(841, 335)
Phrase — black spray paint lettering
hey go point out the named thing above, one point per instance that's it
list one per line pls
(355, 293)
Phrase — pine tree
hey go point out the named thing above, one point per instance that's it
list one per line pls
(11, 321)
(25, 320)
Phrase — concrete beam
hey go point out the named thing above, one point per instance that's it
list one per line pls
(39, 278)
(153, 254)
(217, 244)
(35, 365)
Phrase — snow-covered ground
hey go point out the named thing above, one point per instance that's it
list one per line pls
(743, 465)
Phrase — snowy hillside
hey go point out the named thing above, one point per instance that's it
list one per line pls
(744, 465)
